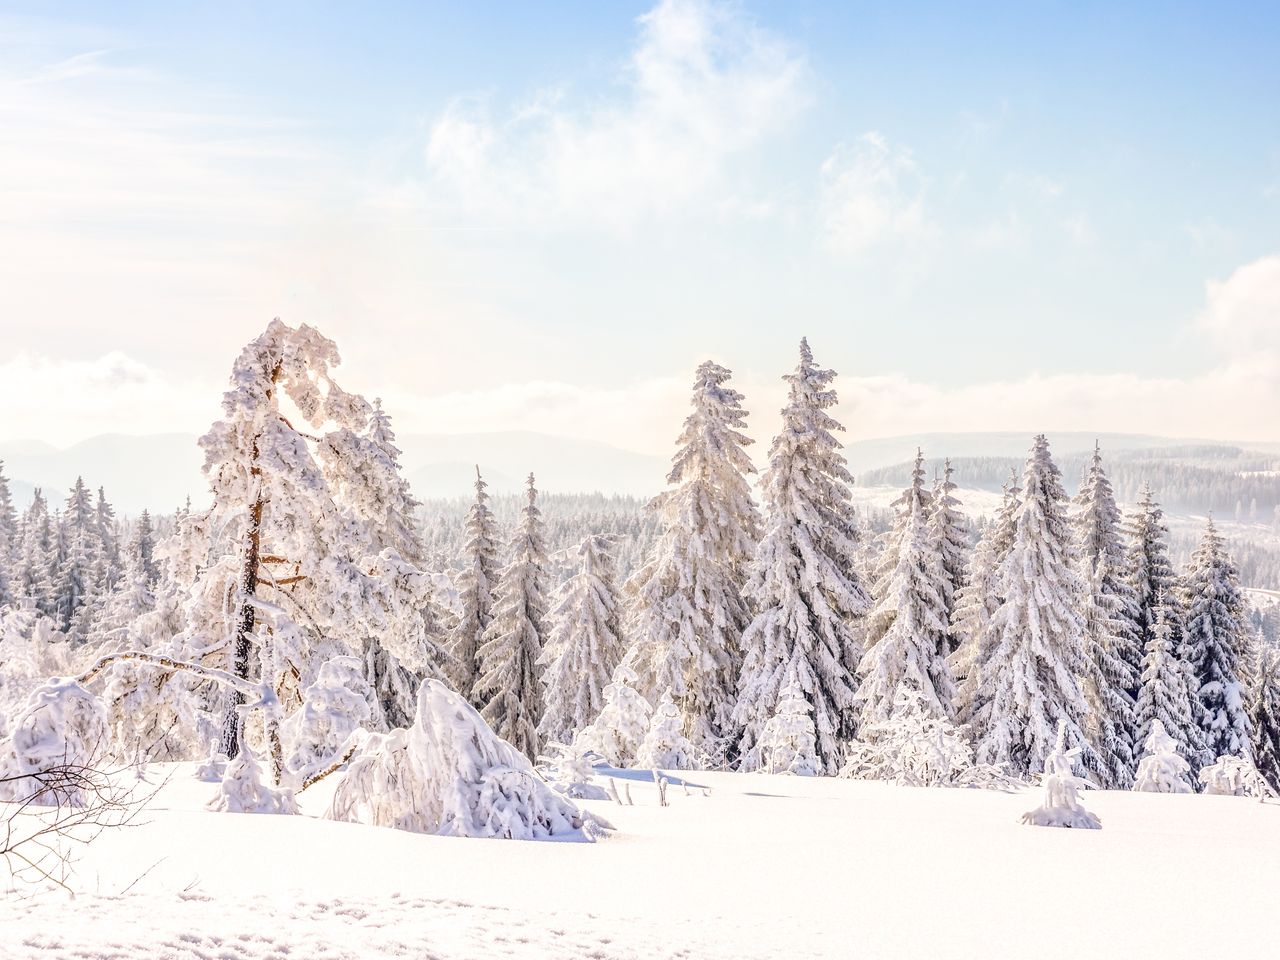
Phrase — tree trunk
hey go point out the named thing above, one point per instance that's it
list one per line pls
(244, 633)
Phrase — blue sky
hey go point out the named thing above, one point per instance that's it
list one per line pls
(1037, 216)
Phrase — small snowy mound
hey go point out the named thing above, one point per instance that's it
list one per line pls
(57, 736)
(449, 774)
(1235, 777)
(1161, 769)
(569, 772)
(243, 789)
(1062, 806)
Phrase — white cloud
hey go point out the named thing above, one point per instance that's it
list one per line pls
(703, 85)
(871, 194)
(1242, 313)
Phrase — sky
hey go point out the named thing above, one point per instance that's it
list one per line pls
(1041, 216)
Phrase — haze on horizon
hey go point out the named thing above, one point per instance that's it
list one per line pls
(1048, 219)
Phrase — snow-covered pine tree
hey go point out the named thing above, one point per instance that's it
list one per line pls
(788, 742)
(1113, 662)
(108, 547)
(143, 546)
(1162, 768)
(689, 611)
(585, 644)
(1165, 696)
(1217, 636)
(979, 599)
(1029, 685)
(8, 542)
(509, 684)
(803, 583)
(1150, 574)
(951, 542)
(619, 731)
(1264, 713)
(906, 629)
(475, 588)
(665, 746)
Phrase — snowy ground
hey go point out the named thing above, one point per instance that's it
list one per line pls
(763, 867)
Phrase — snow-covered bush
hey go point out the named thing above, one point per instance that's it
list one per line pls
(569, 772)
(1062, 806)
(61, 726)
(333, 707)
(665, 746)
(618, 733)
(913, 747)
(243, 789)
(31, 650)
(788, 743)
(449, 774)
(214, 766)
(1235, 777)
(1161, 769)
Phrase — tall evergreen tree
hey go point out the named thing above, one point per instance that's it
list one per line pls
(689, 610)
(1217, 638)
(8, 542)
(1113, 662)
(144, 546)
(1030, 686)
(38, 558)
(475, 589)
(1165, 695)
(951, 541)
(906, 630)
(509, 683)
(803, 583)
(1264, 712)
(585, 645)
(108, 547)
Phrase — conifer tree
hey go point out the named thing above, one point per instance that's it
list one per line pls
(807, 596)
(1165, 696)
(585, 644)
(906, 630)
(144, 546)
(1217, 638)
(951, 542)
(689, 611)
(38, 559)
(1029, 686)
(787, 744)
(475, 588)
(1264, 713)
(1150, 574)
(1113, 661)
(108, 548)
(618, 733)
(509, 684)
(8, 542)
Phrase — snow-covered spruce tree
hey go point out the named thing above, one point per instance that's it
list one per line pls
(807, 596)
(1062, 806)
(144, 546)
(665, 746)
(1029, 685)
(1264, 713)
(585, 644)
(979, 599)
(1162, 769)
(1217, 637)
(689, 612)
(509, 684)
(475, 588)
(906, 630)
(104, 526)
(37, 560)
(951, 542)
(1150, 574)
(1165, 698)
(916, 747)
(1113, 653)
(619, 731)
(788, 743)
(8, 541)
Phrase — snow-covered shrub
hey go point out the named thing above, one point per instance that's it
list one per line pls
(333, 707)
(618, 733)
(913, 747)
(1235, 777)
(1161, 769)
(31, 650)
(1062, 806)
(243, 789)
(569, 772)
(156, 714)
(788, 743)
(450, 774)
(665, 745)
(62, 725)
(214, 766)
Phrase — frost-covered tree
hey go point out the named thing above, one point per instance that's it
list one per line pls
(619, 731)
(1029, 685)
(979, 599)
(1151, 577)
(689, 613)
(665, 746)
(906, 630)
(1061, 806)
(37, 560)
(915, 747)
(1165, 698)
(788, 743)
(104, 526)
(475, 590)
(1113, 653)
(585, 644)
(1217, 636)
(8, 541)
(1162, 769)
(509, 684)
(951, 542)
(143, 546)
(1264, 713)
(807, 596)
